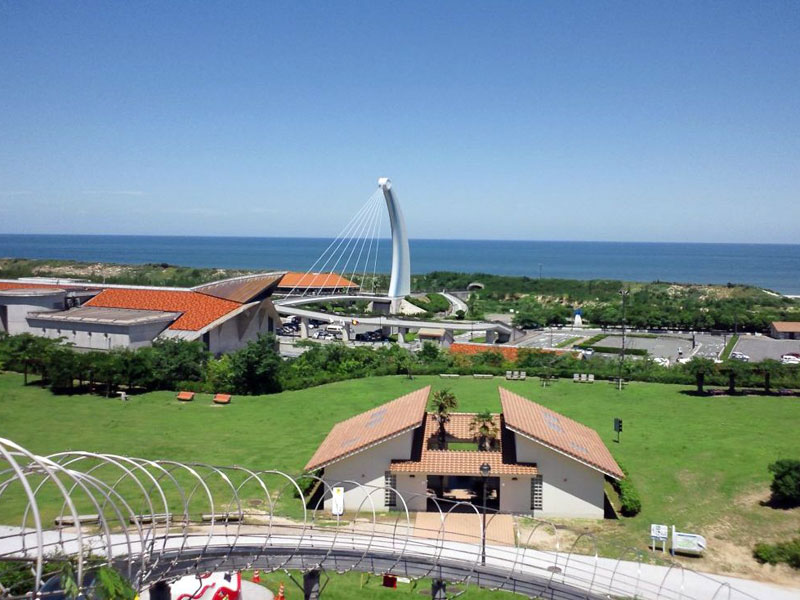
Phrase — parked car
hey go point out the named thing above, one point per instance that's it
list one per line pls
(788, 359)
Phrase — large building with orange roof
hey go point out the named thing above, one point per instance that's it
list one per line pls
(315, 283)
(224, 315)
(393, 457)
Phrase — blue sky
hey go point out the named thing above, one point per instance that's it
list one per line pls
(662, 121)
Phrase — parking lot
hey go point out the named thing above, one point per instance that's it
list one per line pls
(547, 340)
(760, 347)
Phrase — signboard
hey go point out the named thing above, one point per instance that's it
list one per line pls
(337, 501)
(687, 543)
(659, 532)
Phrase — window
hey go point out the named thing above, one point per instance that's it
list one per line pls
(390, 495)
(536, 492)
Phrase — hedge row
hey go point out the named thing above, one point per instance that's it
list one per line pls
(628, 495)
(782, 552)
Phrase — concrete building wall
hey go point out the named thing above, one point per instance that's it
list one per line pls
(368, 468)
(569, 488)
(244, 327)
(515, 495)
(97, 336)
(413, 487)
(17, 309)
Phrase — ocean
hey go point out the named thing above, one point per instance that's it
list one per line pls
(772, 266)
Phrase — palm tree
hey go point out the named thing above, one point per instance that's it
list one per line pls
(700, 367)
(443, 403)
(484, 429)
(769, 367)
(734, 369)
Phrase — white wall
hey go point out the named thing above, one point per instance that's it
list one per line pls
(97, 336)
(515, 496)
(18, 307)
(569, 488)
(368, 468)
(244, 327)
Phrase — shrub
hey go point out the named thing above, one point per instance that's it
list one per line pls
(786, 552)
(628, 495)
(785, 484)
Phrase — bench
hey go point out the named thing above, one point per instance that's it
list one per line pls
(156, 518)
(222, 398)
(233, 516)
(185, 396)
(576, 378)
(449, 375)
(70, 521)
(483, 376)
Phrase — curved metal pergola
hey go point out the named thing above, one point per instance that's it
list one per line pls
(159, 520)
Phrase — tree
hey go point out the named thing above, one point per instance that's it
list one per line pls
(734, 369)
(429, 353)
(219, 374)
(785, 484)
(443, 402)
(63, 366)
(700, 367)
(256, 367)
(484, 430)
(769, 368)
(29, 352)
(172, 361)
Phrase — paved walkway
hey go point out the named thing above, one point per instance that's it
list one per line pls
(466, 527)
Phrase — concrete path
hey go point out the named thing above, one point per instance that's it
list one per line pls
(465, 527)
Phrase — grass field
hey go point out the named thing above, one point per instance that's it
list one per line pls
(356, 585)
(698, 462)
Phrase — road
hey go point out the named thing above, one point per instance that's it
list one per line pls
(534, 572)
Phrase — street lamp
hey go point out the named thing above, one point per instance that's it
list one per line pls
(624, 293)
(485, 469)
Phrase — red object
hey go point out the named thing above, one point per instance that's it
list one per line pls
(390, 581)
(256, 576)
(281, 595)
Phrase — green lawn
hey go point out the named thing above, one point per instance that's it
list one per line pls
(698, 462)
(369, 587)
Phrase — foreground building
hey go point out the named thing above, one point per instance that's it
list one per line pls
(542, 463)
(315, 284)
(224, 315)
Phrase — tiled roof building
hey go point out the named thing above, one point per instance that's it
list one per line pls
(541, 462)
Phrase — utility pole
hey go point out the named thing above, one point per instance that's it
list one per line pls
(624, 293)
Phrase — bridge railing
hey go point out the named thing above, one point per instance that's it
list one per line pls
(159, 519)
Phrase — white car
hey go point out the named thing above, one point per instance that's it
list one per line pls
(788, 359)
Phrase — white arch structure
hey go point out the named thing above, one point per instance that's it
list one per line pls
(158, 520)
(354, 252)
(400, 282)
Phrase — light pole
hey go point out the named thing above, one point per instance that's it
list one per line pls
(624, 293)
(485, 469)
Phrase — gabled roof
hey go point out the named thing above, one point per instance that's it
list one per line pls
(197, 310)
(242, 289)
(315, 280)
(557, 432)
(787, 326)
(371, 427)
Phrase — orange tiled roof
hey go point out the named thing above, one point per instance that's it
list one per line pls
(508, 352)
(315, 280)
(558, 432)
(787, 326)
(198, 309)
(371, 427)
(461, 462)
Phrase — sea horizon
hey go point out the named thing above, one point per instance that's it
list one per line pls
(771, 266)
